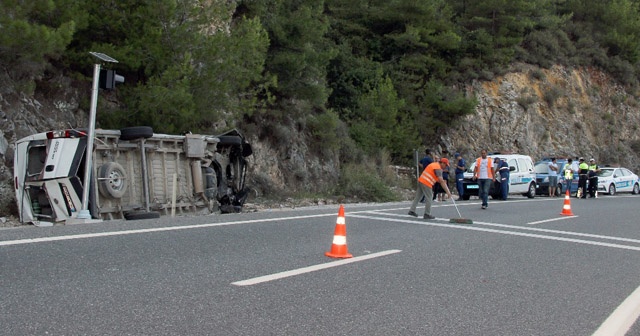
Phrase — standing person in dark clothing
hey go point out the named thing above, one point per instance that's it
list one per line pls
(460, 168)
(424, 162)
(503, 170)
(436, 188)
(593, 178)
(583, 170)
(440, 192)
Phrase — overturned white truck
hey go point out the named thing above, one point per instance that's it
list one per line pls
(135, 174)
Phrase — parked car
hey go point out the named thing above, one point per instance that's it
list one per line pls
(522, 178)
(612, 180)
(542, 178)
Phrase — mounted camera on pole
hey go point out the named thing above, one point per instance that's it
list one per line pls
(109, 78)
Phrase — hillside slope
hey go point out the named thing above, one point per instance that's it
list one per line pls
(540, 112)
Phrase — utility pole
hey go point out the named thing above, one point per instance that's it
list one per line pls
(84, 213)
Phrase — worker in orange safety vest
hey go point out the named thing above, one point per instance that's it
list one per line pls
(484, 173)
(426, 181)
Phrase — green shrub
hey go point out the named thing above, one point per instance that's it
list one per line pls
(526, 101)
(537, 74)
(360, 181)
(552, 95)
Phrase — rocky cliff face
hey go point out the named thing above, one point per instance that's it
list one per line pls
(539, 112)
(554, 112)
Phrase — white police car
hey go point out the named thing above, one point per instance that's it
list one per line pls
(612, 180)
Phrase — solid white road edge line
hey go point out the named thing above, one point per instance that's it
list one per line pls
(160, 229)
(623, 318)
(276, 276)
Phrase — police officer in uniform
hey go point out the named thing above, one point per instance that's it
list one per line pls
(593, 178)
(583, 170)
(504, 178)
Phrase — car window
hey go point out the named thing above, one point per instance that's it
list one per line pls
(524, 165)
(605, 172)
(513, 163)
(471, 167)
(541, 168)
(625, 172)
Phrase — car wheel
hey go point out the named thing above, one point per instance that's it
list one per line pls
(559, 190)
(636, 189)
(466, 197)
(612, 189)
(111, 180)
(532, 191)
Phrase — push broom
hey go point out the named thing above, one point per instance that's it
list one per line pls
(459, 220)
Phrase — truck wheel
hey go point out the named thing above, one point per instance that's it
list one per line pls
(136, 132)
(111, 180)
(135, 215)
(230, 140)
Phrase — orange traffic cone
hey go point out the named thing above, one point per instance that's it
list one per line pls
(339, 246)
(566, 208)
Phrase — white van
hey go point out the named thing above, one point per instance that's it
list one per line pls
(522, 177)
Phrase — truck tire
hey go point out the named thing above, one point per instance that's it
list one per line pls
(111, 180)
(135, 215)
(230, 140)
(136, 132)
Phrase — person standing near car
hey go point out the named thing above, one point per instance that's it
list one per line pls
(426, 181)
(438, 189)
(567, 170)
(424, 162)
(484, 173)
(503, 170)
(593, 178)
(583, 170)
(460, 167)
(553, 177)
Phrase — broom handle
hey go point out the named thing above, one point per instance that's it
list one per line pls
(455, 205)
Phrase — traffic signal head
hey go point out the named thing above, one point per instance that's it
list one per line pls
(109, 78)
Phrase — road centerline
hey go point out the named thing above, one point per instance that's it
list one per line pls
(308, 269)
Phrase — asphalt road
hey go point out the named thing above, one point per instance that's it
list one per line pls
(520, 269)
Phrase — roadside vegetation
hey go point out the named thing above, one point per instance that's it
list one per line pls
(384, 75)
